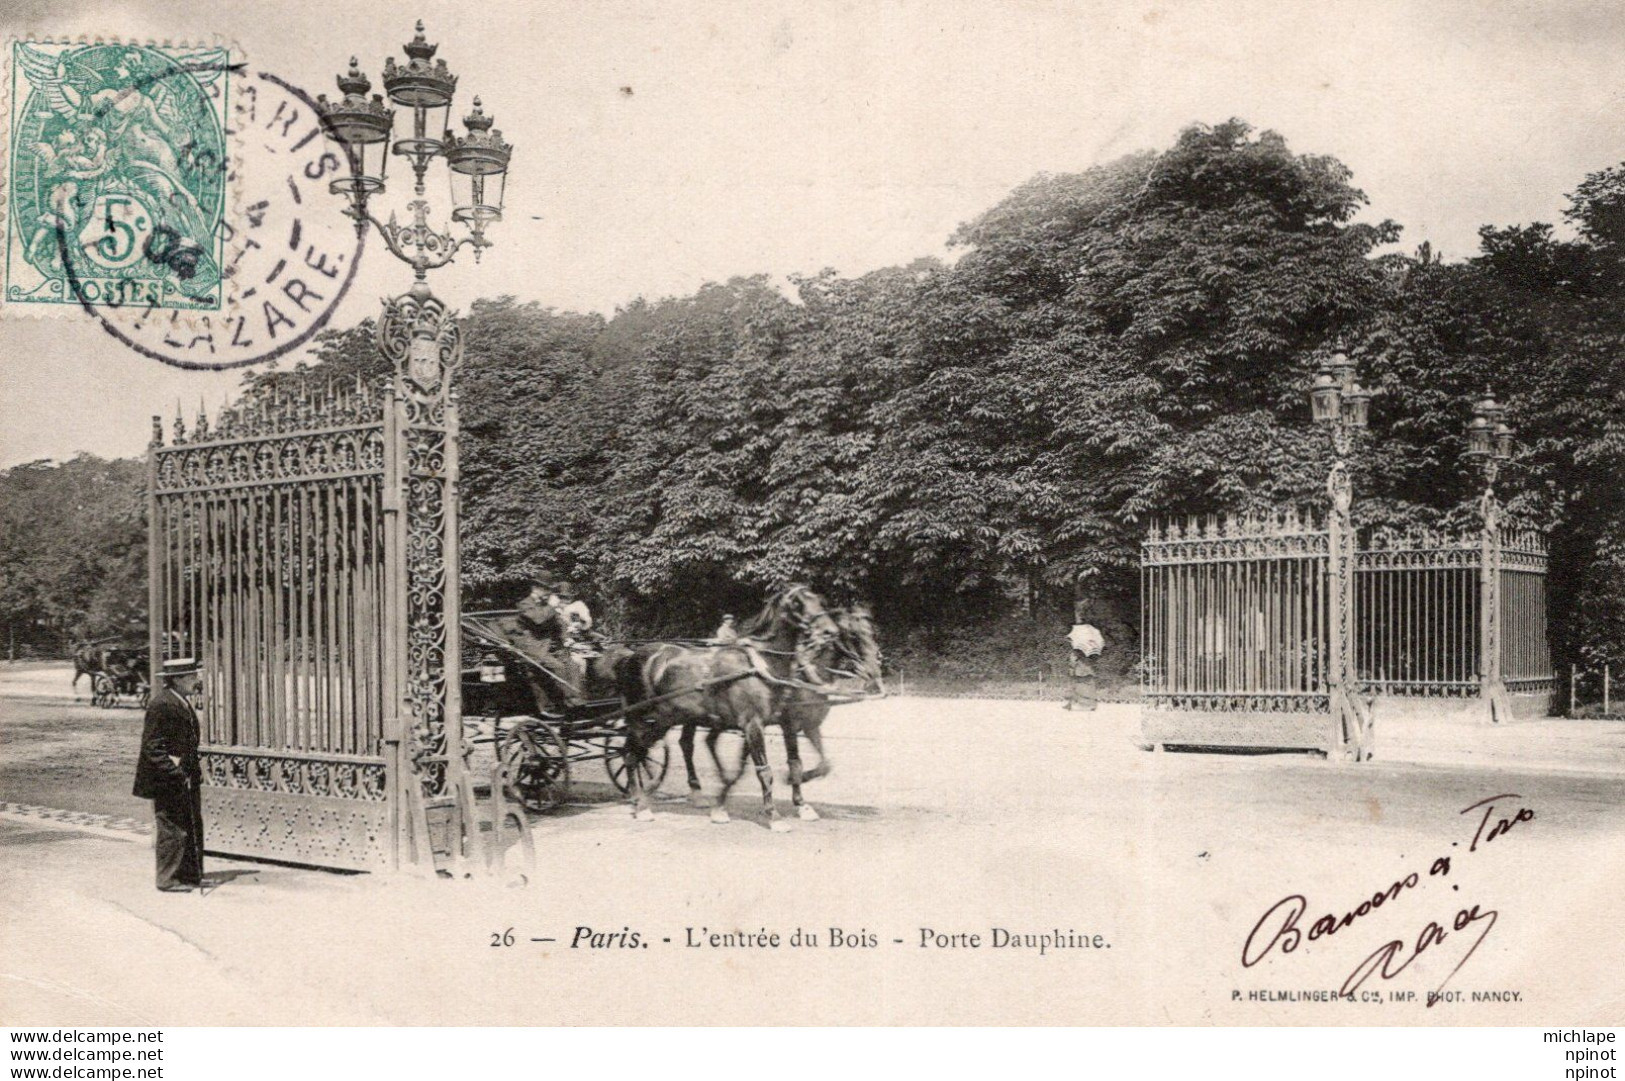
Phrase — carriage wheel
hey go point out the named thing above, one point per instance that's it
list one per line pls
(653, 770)
(535, 765)
(102, 691)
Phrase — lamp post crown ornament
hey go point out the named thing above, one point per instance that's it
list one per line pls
(416, 331)
(422, 89)
(417, 78)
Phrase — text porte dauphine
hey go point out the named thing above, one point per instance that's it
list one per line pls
(763, 938)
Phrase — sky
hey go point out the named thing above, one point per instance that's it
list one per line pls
(663, 145)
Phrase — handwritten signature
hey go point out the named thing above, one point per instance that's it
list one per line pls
(1281, 924)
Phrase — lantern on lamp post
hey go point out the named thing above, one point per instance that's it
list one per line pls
(477, 162)
(1489, 445)
(1339, 404)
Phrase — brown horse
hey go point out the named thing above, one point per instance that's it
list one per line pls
(727, 688)
(84, 663)
(854, 654)
(87, 660)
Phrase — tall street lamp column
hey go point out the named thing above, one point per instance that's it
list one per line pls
(1341, 407)
(1489, 444)
(423, 738)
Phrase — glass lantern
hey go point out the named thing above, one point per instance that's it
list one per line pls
(423, 86)
(362, 127)
(478, 164)
(1359, 406)
(1325, 398)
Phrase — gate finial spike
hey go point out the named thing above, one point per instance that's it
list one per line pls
(157, 431)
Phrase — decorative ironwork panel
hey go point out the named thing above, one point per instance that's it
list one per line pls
(419, 335)
(1526, 659)
(1242, 703)
(1421, 626)
(318, 830)
(1289, 615)
(267, 563)
(1416, 614)
(1234, 614)
(1218, 539)
(304, 547)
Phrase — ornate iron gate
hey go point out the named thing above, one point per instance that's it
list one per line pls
(1236, 632)
(304, 548)
(1454, 616)
(1267, 632)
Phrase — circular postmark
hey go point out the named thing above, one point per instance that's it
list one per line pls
(286, 255)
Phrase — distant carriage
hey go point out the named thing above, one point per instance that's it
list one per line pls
(117, 672)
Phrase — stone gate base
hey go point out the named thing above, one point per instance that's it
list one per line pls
(1162, 728)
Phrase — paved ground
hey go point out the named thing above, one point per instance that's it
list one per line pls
(953, 815)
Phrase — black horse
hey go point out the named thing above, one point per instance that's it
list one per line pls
(726, 688)
(854, 654)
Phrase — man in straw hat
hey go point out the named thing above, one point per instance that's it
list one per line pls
(168, 773)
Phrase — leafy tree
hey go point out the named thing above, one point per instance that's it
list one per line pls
(1158, 319)
(960, 442)
(72, 549)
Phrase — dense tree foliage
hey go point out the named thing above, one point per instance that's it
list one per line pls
(967, 441)
(73, 551)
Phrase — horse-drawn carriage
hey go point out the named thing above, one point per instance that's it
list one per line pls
(780, 673)
(537, 744)
(117, 670)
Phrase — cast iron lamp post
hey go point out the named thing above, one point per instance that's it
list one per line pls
(1489, 444)
(1341, 406)
(421, 339)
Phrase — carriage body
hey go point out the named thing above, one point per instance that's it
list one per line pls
(540, 750)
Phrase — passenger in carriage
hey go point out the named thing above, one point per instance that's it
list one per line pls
(726, 634)
(541, 634)
(577, 616)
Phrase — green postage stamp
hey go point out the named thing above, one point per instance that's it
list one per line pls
(117, 175)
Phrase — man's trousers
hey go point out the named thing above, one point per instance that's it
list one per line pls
(178, 816)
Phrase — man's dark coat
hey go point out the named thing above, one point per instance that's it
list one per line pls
(538, 627)
(171, 729)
